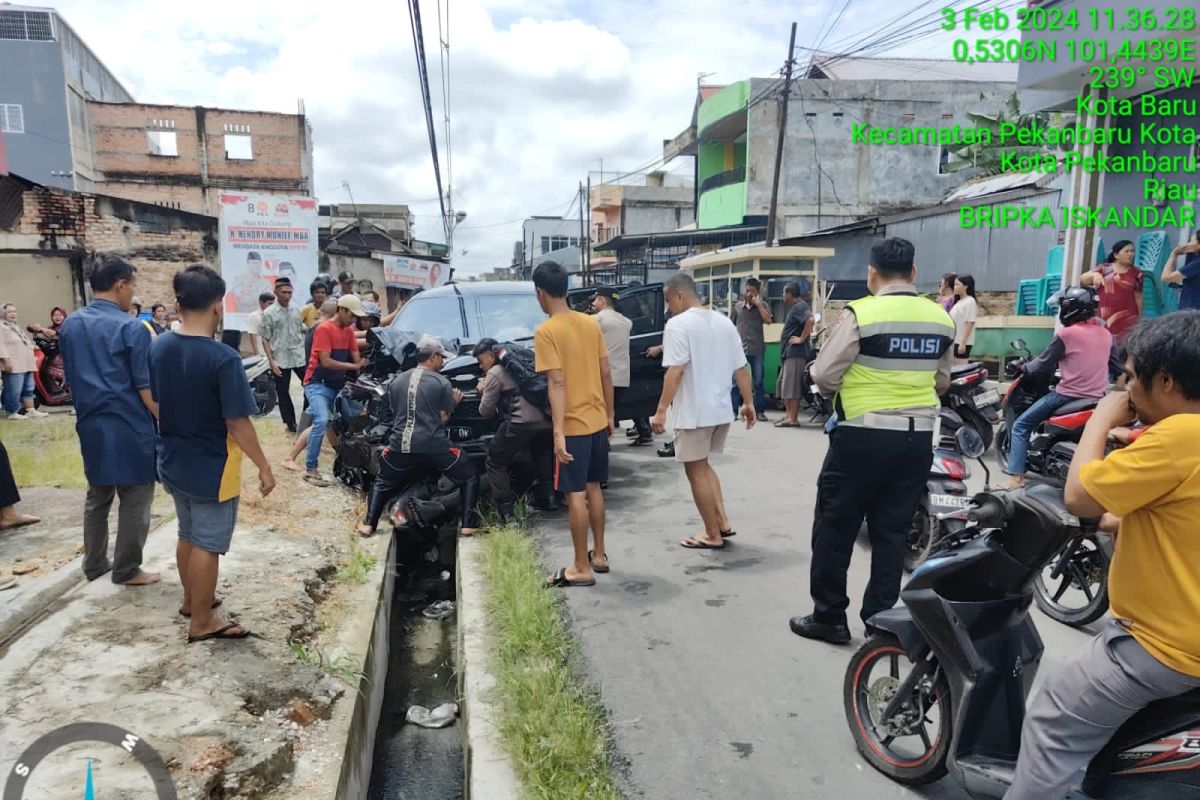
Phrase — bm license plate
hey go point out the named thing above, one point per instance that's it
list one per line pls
(949, 501)
(989, 398)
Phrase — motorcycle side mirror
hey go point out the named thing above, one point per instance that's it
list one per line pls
(1017, 344)
(970, 442)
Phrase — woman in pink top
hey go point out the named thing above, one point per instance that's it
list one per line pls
(1084, 355)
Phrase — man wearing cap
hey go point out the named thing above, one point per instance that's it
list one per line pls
(334, 353)
(345, 284)
(282, 333)
(616, 328)
(422, 401)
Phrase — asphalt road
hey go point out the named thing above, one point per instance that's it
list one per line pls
(709, 693)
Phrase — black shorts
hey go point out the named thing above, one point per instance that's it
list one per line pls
(590, 465)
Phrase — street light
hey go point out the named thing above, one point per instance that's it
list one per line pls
(453, 219)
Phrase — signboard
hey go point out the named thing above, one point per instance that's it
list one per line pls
(264, 237)
(405, 272)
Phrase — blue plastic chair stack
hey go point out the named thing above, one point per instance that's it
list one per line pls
(1150, 258)
(1032, 292)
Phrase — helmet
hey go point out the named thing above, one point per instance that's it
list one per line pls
(326, 280)
(1075, 304)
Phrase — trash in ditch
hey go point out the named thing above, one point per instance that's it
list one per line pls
(439, 717)
(439, 610)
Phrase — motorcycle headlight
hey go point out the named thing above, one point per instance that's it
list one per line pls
(399, 516)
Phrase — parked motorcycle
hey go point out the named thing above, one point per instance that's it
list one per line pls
(977, 403)
(49, 377)
(945, 491)
(262, 383)
(943, 689)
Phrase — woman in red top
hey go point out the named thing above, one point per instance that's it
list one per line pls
(1119, 284)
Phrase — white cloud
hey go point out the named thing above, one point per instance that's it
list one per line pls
(540, 89)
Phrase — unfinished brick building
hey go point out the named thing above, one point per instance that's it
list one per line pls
(182, 156)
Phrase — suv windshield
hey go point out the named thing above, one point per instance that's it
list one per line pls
(505, 317)
(437, 316)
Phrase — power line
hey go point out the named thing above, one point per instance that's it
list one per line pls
(414, 16)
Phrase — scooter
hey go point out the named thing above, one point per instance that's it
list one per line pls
(977, 403)
(262, 383)
(960, 655)
(945, 491)
(49, 378)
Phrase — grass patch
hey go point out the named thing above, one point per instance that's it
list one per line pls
(342, 666)
(45, 452)
(357, 568)
(552, 722)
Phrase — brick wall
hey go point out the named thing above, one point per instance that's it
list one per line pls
(280, 163)
(158, 241)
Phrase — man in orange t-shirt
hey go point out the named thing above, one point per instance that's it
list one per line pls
(569, 348)
(1151, 648)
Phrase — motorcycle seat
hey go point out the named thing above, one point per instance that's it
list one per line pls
(251, 361)
(1083, 404)
(1162, 719)
(965, 369)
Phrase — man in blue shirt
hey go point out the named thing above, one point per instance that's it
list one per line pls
(205, 405)
(1188, 276)
(106, 356)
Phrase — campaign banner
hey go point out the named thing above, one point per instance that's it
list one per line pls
(405, 272)
(264, 237)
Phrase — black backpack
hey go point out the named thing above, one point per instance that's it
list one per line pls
(518, 361)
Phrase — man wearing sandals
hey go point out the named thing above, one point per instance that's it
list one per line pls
(701, 351)
(205, 405)
(569, 349)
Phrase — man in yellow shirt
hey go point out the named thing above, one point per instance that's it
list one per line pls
(310, 315)
(1151, 649)
(569, 348)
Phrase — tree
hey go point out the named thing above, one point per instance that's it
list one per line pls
(989, 158)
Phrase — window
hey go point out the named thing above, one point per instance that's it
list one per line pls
(29, 25)
(162, 138)
(12, 118)
(438, 316)
(506, 317)
(237, 143)
(545, 245)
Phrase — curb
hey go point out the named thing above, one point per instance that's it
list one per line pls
(489, 771)
(25, 603)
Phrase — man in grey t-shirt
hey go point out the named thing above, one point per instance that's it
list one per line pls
(749, 316)
(422, 402)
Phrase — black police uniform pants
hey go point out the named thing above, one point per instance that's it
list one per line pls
(510, 440)
(875, 475)
(398, 470)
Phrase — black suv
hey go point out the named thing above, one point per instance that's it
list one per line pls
(509, 311)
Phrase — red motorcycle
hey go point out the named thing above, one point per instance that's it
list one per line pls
(49, 378)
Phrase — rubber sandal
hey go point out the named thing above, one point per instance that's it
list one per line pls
(216, 604)
(595, 568)
(23, 523)
(783, 423)
(222, 633)
(696, 543)
(727, 534)
(560, 579)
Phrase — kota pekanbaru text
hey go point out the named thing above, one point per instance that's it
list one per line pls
(1014, 216)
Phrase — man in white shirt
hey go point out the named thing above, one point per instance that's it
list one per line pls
(616, 328)
(253, 325)
(701, 350)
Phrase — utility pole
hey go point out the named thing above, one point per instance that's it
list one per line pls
(772, 212)
(588, 230)
(582, 234)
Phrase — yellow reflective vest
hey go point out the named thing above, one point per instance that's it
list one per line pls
(901, 339)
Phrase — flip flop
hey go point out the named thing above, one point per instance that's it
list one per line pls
(696, 543)
(216, 604)
(601, 569)
(727, 534)
(560, 579)
(783, 423)
(222, 633)
(21, 524)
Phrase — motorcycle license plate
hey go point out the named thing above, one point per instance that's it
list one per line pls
(988, 398)
(949, 501)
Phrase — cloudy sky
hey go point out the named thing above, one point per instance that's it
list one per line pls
(540, 90)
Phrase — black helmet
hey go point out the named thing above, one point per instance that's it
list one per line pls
(326, 280)
(1075, 304)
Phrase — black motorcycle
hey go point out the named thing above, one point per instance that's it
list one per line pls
(977, 403)
(945, 499)
(944, 688)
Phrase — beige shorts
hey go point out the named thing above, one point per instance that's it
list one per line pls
(697, 444)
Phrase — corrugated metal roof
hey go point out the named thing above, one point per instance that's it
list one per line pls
(998, 183)
(855, 68)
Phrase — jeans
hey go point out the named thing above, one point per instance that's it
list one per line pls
(1026, 424)
(756, 379)
(18, 386)
(320, 404)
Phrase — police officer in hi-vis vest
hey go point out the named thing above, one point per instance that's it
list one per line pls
(885, 363)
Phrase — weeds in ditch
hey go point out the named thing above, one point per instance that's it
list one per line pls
(341, 666)
(357, 568)
(552, 721)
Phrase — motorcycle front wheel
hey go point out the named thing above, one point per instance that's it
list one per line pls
(1003, 444)
(1073, 587)
(911, 747)
(980, 424)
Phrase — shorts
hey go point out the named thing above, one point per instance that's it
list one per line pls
(791, 379)
(697, 444)
(590, 465)
(206, 524)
